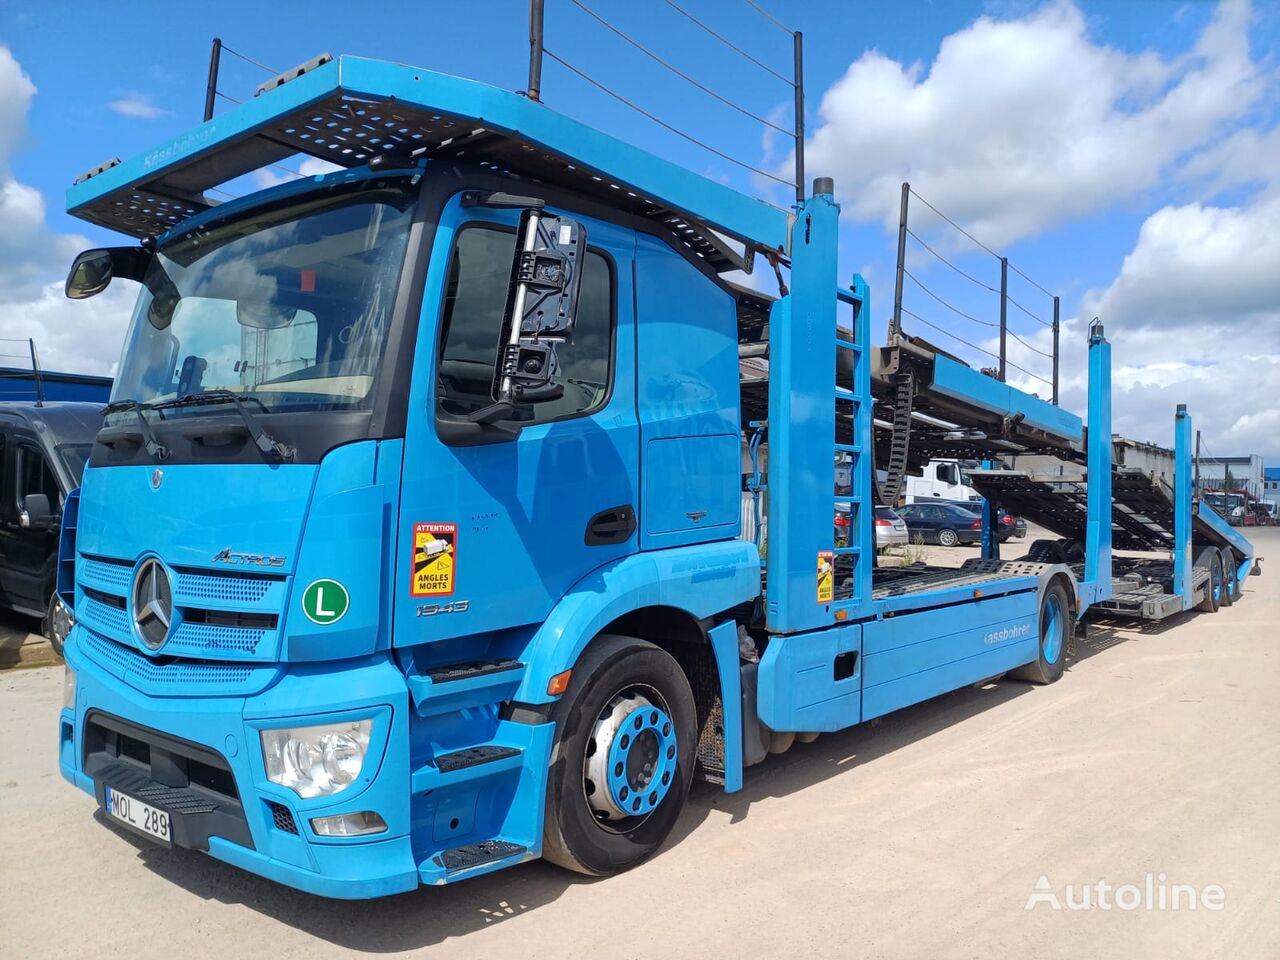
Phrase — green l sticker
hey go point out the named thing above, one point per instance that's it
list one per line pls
(325, 602)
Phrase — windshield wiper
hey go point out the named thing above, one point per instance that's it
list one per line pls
(263, 440)
(157, 450)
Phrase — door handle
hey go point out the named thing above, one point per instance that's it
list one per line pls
(614, 525)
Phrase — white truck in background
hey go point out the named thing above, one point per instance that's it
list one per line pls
(940, 480)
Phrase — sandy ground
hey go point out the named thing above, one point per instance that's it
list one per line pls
(924, 835)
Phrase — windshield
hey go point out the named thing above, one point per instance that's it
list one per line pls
(288, 306)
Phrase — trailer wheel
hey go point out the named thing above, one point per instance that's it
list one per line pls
(1213, 589)
(1056, 630)
(947, 537)
(623, 757)
(1230, 579)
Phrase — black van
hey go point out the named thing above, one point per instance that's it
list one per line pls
(43, 449)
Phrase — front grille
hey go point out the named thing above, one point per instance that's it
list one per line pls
(193, 587)
(193, 784)
(283, 817)
(169, 675)
(219, 615)
(107, 574)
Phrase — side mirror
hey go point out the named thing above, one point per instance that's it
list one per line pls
(90, 274)
(35, 511)
(92, 271)
(542, 305)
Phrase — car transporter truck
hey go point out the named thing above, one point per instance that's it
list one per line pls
(411, 547)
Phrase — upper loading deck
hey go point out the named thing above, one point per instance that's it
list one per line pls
(351, 110)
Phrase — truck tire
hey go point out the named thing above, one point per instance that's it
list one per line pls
(947, 537)
(1212, 599)
(1056, 630)
(623, 757)
(57, 623)
(1230, 582)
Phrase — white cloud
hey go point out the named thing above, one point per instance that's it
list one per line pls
(283, 172)
(1021, 124)
(79, 336)
(1198, 263)
(138, 106)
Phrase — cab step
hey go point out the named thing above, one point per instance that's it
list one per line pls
(478, 854)
(467, 671)
(456, 686)
(474, 757)
(472, 763)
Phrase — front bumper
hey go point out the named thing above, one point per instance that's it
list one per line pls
(201, 757)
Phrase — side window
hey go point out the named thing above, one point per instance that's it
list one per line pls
(34, 476)
(475, 295)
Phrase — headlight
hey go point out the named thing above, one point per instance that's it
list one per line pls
(68, 688)
(316, 761)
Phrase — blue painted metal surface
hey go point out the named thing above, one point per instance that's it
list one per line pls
(687, 397)
(798, 686)
(701, 580)
(1097, 585)
(915, 656)
(990, 525)
(856, 400)
(724, 644)
(954, 379)
(474, 105)
(1183, 493)
(1230, 535)
(521, 508)
(802, 360)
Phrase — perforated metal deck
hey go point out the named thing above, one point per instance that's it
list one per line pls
(351, 111)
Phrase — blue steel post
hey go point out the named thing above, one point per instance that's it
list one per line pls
(990, 525)
(1097, 560)
(1182, 495)
(802, 424)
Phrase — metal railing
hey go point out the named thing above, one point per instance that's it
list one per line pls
(1002, 291)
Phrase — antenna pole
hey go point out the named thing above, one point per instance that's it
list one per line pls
(895, 325)
(798, 41)
(534, 88)
(211, 90)
(35, 373)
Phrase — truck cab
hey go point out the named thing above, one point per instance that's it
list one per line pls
(940, 480)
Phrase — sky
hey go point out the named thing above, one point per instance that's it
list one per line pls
(1124, 155)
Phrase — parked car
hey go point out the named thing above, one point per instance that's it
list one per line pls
(43, 450)
(889, 527)
(943, 523)
(1010, 526)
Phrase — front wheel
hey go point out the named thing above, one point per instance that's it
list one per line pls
(623, 757)
(57, 623)
(1056, 629)
(948, 538)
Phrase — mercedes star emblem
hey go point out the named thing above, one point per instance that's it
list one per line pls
(152, 603)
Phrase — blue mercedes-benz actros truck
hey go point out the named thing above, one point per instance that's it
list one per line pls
(438, 521)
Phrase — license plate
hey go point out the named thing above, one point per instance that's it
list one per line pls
(137, 814)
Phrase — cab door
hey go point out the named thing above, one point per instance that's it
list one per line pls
(30, 551)
(492, 535)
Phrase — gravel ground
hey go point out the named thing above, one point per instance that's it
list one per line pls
(924, 835)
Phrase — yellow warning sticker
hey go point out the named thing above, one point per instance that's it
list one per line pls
(826, 576)
(435, 558)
